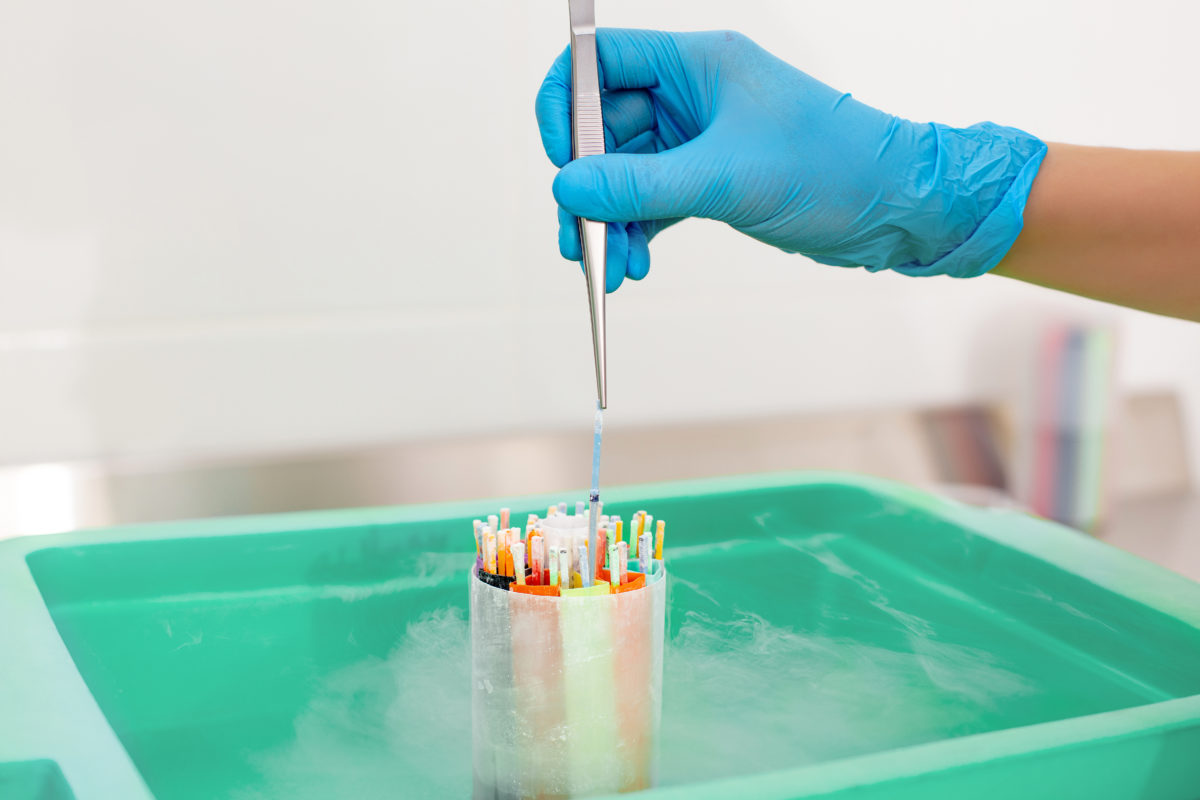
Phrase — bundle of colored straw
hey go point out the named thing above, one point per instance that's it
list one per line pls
(553, 556)
(566, 656)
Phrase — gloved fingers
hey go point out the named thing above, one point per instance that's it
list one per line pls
(616, 254)
(627, 114)
(568, 228)
(644, 143)
(635, 59)
(628, 60)
(639, 252)
(627, 187)
(617, 257)
(568, 236)
(553, 110)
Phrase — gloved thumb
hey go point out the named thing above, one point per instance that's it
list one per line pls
(626, 187)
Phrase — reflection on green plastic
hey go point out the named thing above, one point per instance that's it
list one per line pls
(829, 636)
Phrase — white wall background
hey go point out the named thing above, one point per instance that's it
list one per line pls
(263, 225)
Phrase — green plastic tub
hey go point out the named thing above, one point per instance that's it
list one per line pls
(828, 636)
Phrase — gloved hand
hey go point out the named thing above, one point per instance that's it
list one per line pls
(711, 125)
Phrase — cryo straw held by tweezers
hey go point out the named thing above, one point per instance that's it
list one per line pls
(587, 139)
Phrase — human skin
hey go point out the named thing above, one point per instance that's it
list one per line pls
(1116, 225)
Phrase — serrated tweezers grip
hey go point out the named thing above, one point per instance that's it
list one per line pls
(587, 128)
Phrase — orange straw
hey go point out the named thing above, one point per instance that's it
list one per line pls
(545, 591)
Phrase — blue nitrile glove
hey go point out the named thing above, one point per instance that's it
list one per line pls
(711, 125)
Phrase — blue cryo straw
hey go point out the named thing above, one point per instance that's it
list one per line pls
(594, 497)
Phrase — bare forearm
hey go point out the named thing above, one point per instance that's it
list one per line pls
(1116, 225)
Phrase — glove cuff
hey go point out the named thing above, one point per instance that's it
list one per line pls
(991, 239)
